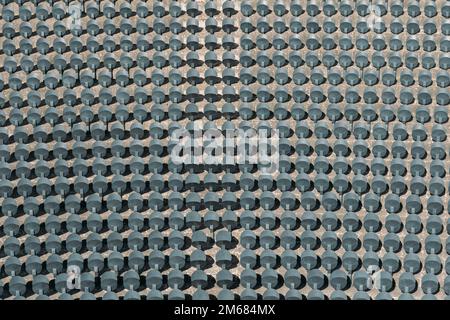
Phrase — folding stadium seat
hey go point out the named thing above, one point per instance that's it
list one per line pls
(249, 278)
(54, 263)
(309, 260)
(115, 221)
(60, 29)
(249, 294)
(375, 72)
(246, 8)
(43, 186)
(437, 169)
(383, 296)
(87, 296)
(350, 241)
(442, 79)
(52, 205)
(269, 279)
(339, 280)
(445, 28)
(271, 294)
(447, 266)
(433, 264)
(61, 282)
(430, 9)
(32, 244)
(12, 247)
(371, 240)
(391, 262)
(65, 296)
(322, 147)
(131, 280)
(330, 242)
(290, 260)
(330, 201)
(95, 263)
(225, 294)
(9, 47)
(263, 8)
(430, 284)
(428, 61)
(12, 264)
(25, 30)
(445, 10)
(442, 97)
(321, 166)
(107, 296)
(200, 295)
(362, 8)
(176, 27)
(109, 281)
(8, 12)
(407, 283)
(94, 222)
(156, 259)
(11, 226)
